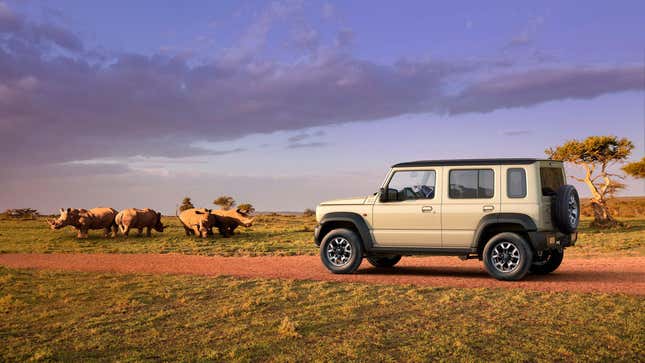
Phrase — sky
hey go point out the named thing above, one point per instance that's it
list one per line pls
(284, 104)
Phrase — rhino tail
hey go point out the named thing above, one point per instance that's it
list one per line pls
(180, 221)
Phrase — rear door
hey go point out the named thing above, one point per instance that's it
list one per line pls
(471, 193)
(414, 219)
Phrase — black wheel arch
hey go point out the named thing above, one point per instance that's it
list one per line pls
(349, 220)
(495, 223)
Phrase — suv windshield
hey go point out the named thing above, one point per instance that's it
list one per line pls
(552, 180)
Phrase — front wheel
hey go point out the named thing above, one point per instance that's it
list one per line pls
(507, 256)
(384, 261)
(341, 251)
(549, 262)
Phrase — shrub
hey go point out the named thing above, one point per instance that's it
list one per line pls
(186, 204)
(225, 202)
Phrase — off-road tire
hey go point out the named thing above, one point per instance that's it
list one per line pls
(384, 261)
(515, 248)
(549, 262)
(566, 209)
(341, 241)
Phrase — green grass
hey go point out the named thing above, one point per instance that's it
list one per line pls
(629, 241)
(270, 235)
(83, 316)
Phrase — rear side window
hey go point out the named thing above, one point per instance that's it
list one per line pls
(516, 183)
(552, 179)
(471, 184)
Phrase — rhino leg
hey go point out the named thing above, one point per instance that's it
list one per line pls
(140, 231)
(83, 233)
(188, 231)
(107, 232)
(125, 230)
(115, 230)
(223, 231)
(148, 232)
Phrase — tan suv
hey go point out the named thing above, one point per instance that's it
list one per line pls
(517, 215)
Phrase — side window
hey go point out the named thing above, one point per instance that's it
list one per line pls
(471, 184)
(516, 183)
(414, 184)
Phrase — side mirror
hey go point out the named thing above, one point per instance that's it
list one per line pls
(383, 195)
(388, 195)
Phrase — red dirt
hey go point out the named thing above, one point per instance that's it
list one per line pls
(609, 275)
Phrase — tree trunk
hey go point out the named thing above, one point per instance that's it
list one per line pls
(602, 217)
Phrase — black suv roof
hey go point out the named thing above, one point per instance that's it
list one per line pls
(457, 162)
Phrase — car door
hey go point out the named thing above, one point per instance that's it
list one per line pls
(414, 218)
(471, 193)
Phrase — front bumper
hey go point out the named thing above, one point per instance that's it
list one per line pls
(543, 241)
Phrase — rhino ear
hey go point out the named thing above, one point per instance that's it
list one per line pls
(69, 210)
(62, 210)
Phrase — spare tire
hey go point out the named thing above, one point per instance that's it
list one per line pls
(566, 209)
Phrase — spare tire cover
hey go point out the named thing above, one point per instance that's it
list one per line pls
(566, 209)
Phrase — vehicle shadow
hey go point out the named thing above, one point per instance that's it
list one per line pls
(468, 272)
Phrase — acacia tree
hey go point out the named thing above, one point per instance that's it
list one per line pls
(636, 169)
(225, 202)
(186, 204)
(596, 154)
(246, 208)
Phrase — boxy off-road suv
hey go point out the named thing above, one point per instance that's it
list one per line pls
(517, 215)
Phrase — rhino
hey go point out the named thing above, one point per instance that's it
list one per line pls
(139, 219)
(230, 219)
(84, 220)
(199, 222)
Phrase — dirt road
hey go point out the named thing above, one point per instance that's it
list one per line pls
(613, 275)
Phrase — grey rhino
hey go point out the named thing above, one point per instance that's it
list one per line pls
(230, 219)
(139, 219)
(198, 221)
(84, 220)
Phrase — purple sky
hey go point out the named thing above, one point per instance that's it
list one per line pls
(287, 103)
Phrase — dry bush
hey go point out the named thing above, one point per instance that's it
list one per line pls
(624, 207)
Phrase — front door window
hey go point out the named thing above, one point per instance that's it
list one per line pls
(413, 185)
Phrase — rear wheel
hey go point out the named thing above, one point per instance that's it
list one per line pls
(549, 262)
(341, 251)
(384, 261)
(507, 256)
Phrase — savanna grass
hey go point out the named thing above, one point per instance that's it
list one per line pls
(110, 317)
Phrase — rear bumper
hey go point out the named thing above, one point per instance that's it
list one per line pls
(543, 241)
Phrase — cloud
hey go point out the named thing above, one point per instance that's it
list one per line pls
(56, 109)
(301, 145)
(304, 135)
(517, 132)
(305, 38)
(19, 33)
(527, 35)
(528, 88)
(345, 37)
(328, 11)
(64, 170)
